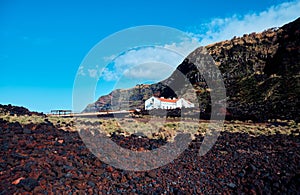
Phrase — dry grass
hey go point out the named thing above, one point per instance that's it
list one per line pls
(155, 128)
(59, 122)
(160, 129)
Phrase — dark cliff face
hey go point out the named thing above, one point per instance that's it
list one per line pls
(261, 73)
(260, 70)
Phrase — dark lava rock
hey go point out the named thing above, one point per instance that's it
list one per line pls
(92, 184)
(3, 192)
(17, 110)
(28, 184)
(253, 165)
(26, 131)
(231, 185)
(19, 156)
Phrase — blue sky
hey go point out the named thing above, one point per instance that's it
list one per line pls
(43, 43)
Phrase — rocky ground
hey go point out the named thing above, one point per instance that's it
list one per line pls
(42, 159)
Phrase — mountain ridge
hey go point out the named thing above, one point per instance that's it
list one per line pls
(260, 70)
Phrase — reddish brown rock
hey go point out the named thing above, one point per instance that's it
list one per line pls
(17, 181)
(109, 168)
(237, 163)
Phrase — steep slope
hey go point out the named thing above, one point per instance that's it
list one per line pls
(260, 70)
(261, 73)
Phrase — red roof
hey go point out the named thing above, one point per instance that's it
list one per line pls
(168, 100)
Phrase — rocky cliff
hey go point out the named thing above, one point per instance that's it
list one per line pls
(260, 70)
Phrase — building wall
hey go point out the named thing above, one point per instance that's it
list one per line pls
(152, 103)
(167, 105)
(155, 103)
(183, 103)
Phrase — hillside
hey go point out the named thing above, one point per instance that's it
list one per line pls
(17, 110)
(260, 71)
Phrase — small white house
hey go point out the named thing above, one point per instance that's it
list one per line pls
(163, 103)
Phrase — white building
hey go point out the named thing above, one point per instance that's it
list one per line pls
(163, 103)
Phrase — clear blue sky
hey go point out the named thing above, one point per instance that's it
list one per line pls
(42, 43)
